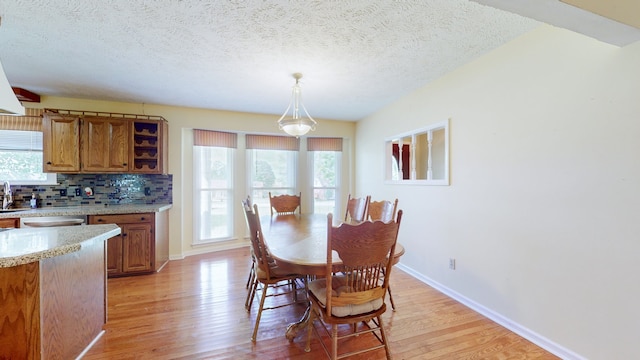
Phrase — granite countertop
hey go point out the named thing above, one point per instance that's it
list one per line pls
(85, 210)
(27, 245)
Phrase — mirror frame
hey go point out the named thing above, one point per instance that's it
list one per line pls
(397, 139)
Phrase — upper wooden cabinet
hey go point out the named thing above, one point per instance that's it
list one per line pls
(149, 147)
(103, 144)
(61, 143)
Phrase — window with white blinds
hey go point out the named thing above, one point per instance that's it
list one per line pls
(213, 166)
(21, 158)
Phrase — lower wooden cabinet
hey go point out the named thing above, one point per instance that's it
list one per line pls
(141, 248)
(9, 223)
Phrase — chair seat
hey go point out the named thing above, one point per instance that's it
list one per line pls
(318, 289)
(276, 273)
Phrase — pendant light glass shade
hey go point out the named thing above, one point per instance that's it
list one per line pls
(295, 125)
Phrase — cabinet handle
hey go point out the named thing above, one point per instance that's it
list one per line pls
(99, 220)
(142, 219)
(125, 234)
(124, 164)
(48, 162)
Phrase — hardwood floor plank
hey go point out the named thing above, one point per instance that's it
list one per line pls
(194, 309)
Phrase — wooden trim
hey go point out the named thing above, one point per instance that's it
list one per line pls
(215, 138)
(31, 121)
(324, 144)
(269, 142)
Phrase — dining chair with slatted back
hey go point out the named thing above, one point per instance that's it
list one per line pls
(356, 209)
(285, 204)
(356, 293)
(383, 210)
(267, 273)
(247, 206)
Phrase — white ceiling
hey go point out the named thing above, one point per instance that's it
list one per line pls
(356, 55)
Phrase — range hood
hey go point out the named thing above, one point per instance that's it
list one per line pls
(9, 104)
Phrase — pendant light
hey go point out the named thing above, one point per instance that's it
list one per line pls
(295, 125)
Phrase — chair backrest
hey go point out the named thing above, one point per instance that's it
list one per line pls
(356, 209)
(285, 204)
(258, 246)
(247, 203)
(366, 251)
(383, 210)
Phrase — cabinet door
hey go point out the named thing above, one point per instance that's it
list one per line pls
(9, 223)
(61, 143)
(136, 247)
(105, 144)
(114, 255)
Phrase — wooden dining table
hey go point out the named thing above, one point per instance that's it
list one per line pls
(298, 243)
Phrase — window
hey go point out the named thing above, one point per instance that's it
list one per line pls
(21, 158)
(213, 156)
(271, 171)
(272, 167)
(325, 157)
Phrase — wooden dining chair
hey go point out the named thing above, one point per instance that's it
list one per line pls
(267, 274)
(247, 206)
(285, 204)
(356, 293)
(356, 209)
(384, 211)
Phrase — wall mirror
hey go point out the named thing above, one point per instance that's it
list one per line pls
(419, 157)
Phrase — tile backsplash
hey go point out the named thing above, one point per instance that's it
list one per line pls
(109, 189)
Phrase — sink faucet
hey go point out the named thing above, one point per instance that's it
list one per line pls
(7, 198)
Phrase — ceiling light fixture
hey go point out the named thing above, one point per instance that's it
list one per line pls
(296, 125)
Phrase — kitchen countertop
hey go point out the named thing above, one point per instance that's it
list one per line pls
(27, 245)
(85, 210)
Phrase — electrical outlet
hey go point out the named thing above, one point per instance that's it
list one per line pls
(147, 191)
(63, 192)
(452, 264)
(78, 191)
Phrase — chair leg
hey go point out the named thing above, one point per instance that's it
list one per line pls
(250, 294)
(251, 275)
(255, 328)
(384, 338)
(334, 341)
(393, 305)
(310, 329)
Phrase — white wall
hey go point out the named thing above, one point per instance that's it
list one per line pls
(543, 211)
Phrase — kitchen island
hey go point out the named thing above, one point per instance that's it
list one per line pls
(52, 290)
(142, 247)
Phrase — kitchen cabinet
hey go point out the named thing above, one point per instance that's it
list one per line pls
(91, 143)
(61, 143)
(141, 248)
(105, 144)
(149, 146)
(8, 223)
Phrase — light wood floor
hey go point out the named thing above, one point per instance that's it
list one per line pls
(194, 309)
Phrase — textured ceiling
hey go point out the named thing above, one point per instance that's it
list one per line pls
(356, 55)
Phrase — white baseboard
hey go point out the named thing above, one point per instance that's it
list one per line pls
(199, 250)
(532, 336)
